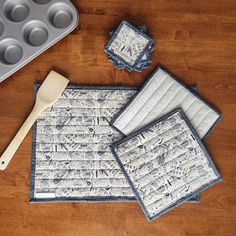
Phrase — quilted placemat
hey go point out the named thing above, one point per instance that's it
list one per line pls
(71, 159)
(165, 163)
(161, 94)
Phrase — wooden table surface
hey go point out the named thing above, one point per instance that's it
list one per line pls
(195, 40)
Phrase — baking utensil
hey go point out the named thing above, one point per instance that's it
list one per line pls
(28, 28)
(48, 93)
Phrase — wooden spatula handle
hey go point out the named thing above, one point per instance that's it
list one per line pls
(17, 140)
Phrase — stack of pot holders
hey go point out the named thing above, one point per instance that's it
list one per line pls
(120, 144)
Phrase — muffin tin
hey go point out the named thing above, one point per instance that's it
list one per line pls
(29, 27)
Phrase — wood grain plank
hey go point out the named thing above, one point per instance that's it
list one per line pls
(195, 40)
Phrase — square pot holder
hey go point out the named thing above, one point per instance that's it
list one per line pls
(165, 163)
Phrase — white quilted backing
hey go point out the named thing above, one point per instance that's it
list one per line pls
(160, 95)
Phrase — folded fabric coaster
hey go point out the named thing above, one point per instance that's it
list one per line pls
(143, 63)
(129, 47)
(161, 94)
(71, 158)
(165, 163)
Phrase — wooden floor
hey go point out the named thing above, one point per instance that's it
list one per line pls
(195, 40)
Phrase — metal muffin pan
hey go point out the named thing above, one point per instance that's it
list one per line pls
(29, 27)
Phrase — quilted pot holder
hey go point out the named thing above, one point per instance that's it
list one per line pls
(165, 163)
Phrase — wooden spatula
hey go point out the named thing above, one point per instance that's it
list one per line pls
(48, 93)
